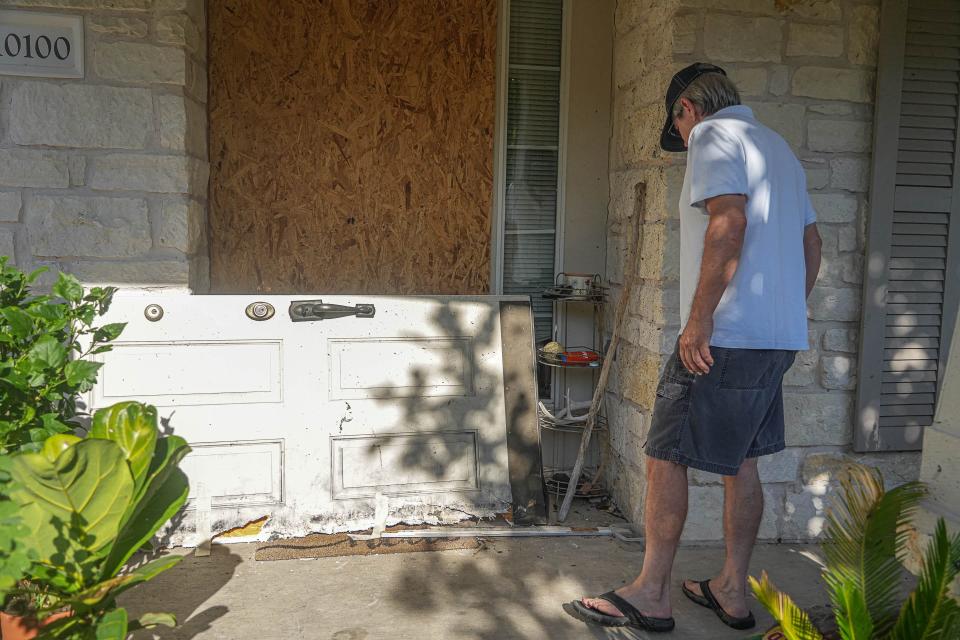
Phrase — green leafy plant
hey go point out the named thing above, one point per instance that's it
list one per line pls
(865, 540)
(39, 380)
(88, 505)
(16, 554)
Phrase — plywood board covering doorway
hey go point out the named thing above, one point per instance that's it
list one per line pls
(351, 144)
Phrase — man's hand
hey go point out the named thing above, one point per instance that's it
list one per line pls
(695, 345)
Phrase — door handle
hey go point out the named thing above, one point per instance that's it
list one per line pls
(308, 310)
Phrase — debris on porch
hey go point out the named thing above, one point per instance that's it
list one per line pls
(501, 590)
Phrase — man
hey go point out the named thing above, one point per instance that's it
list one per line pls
(750, 255)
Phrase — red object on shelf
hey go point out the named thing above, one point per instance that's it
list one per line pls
(579, 356)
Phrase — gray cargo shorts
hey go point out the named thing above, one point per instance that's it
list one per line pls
(714, 422)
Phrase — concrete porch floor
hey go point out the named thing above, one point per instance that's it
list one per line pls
(511, 588)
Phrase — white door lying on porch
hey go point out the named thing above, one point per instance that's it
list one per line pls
(307, 419)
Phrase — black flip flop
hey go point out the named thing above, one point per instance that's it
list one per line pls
(631, 615)
(709, 601)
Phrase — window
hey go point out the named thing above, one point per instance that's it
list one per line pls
(529, 155)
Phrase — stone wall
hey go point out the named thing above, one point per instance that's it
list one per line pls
(106, 176)
(807, 68)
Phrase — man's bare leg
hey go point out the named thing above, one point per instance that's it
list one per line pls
(742, 512)
(664, 515)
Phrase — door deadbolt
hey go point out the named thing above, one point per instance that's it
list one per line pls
(260, 311)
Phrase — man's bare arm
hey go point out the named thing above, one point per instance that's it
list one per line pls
(721, 255)
(811, 254)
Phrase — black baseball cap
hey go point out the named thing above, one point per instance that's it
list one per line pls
(670, 139)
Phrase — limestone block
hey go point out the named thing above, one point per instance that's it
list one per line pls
(157, 174)
(742, 39)
(77, 166)
(628, 15)
(864, 35)
(33, 168)
(750, 81)
(685, 29)
(781, 467)
(627, 56)
(838, 136)
(616, 244)
(804, 515)
(840, 340)
(852, 174)
(652, 251)
(827, 303)
(109, 5)
(838, 372)
(68, 226)
(773, 503)
(161, 273)
(10, 204)
(704, 514)
(816, 419)
(623, 195)
(638, 135)
(641, 374)
(853, 270)
(181, 226)
(101, 117)
(183, 125)
(124, 26)
(656, 302)
(812, 9)
(827, 83)
(140, 63)
(178, 29)
(896, 467)
(831, 109)
(940, 450)
(785, 119)
(177, 5)
(814, 40)
(7, 245)
(835, 270)
(818, 175)
(197, 81)
(803, 371)
(846, 239)
(834, 207)
(780, 81)
(806, 508)
(766, 7)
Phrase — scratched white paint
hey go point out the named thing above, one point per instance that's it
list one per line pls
(307, 421)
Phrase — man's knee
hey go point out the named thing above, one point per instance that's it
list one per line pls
(658, 466)
(748, 471)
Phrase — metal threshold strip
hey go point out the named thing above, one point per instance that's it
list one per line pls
(624, 532)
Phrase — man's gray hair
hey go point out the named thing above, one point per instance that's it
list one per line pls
(709, 93)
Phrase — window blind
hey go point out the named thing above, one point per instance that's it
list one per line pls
(532, 153)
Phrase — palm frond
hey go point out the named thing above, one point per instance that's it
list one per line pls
(930, 612)
(863, 535)
(794, 622)
(853, 619)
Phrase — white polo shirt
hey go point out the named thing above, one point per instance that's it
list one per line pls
(764, 306)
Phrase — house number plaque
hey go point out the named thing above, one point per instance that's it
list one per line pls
(46, 45)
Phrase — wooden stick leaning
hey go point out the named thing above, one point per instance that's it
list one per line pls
(632, 265)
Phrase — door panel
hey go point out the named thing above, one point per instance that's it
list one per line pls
(307, 421)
